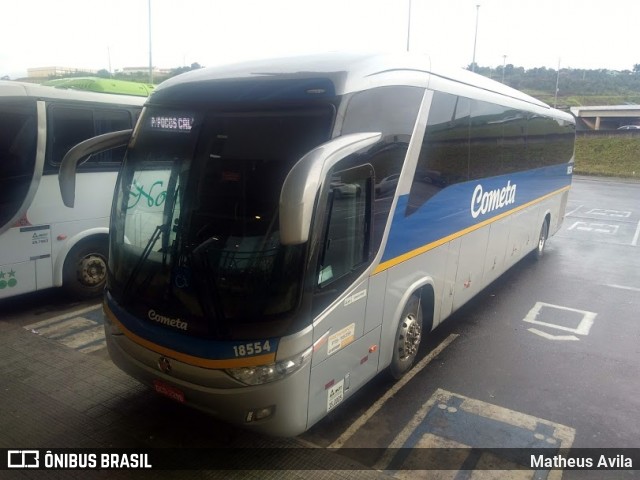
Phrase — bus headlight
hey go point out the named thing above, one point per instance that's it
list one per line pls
(261, 374)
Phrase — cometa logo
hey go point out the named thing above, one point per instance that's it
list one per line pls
(171, 322)
(484, 202)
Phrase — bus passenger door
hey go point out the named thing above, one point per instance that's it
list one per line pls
(327, 199)
(345, 361)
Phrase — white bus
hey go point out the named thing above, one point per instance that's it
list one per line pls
(42, 243)
(322, 214)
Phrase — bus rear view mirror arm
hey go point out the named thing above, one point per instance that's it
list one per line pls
(92, 146)
(298, 194)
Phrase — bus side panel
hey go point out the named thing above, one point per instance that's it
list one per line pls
(343, 373)
(22, 249)
(342, 325)
(452, 251)
(375, 301)
(495, 261)
(470, 266)
(520, 225)
(94, 192)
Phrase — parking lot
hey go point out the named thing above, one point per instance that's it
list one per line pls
(546, 356)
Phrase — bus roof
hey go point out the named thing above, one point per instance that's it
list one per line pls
(348, 72)
(103, 85)
(10, 88)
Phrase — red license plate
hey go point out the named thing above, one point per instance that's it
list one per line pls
(168, 391)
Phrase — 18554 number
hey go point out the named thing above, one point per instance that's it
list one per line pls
(254, 348)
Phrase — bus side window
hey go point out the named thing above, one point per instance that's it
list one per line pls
(68, 127)
(71, 125)
(346, 240)
(106, 121)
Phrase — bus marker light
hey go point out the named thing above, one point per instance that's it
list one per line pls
(330, 384)
(373, 348)
(61, 237)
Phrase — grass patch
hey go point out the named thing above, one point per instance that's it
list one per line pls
(608, 156)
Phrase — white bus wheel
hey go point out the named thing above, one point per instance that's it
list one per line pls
(408, 336)
(85, 269)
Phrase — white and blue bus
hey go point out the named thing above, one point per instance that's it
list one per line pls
(321, 215)
(42, 243)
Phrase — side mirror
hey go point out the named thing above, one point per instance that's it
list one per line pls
(300, 188)
(101, 143)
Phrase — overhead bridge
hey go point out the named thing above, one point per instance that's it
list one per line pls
(608, 117)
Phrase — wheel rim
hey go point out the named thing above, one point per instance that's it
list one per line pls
(92, 270)
(543, 237)
(409, 337)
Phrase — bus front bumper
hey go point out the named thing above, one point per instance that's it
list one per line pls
(278, 408)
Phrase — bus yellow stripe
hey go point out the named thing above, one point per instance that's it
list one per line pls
(190, 359)
(430, 246)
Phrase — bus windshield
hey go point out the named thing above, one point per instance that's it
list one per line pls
(18, 135)
(195, 231)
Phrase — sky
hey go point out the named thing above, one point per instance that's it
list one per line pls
(113, 34)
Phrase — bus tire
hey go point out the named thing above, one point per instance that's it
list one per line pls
(542, 239)
(408, 336)
(85, 269)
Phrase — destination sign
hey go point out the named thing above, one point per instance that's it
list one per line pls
(172, 123)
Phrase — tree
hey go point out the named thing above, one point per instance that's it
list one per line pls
(103, 73)
(636, 68)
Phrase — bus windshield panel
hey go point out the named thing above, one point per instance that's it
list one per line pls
(196, 231)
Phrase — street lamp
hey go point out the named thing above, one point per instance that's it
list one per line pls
(409, 26)
(504, 64)
(150, 60)
(555, 100)
(475, 40)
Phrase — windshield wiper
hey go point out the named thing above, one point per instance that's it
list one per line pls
(163, 230)
(160, 230)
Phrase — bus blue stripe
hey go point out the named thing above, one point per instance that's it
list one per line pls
(449, 211)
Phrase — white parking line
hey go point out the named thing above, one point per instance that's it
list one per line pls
(634, 242)
(573, 211)
(84, 337)
(623, 287)
(364, 418)
(52, 320)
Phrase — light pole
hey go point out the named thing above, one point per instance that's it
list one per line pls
(555, 100)
(150, 60)
(409, 26)
(504, 64)
(475, 40)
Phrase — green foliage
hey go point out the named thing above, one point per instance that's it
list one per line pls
(613, 156)
(576, 87)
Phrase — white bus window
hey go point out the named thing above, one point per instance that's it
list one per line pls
(71, 125)
(17, 155)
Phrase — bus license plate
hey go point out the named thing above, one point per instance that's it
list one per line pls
(168, 391)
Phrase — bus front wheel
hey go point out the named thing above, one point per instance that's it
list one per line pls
(408, 336)
(85, 269)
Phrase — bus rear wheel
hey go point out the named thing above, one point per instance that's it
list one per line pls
(85, 269)
(542, 239)
(408, 337)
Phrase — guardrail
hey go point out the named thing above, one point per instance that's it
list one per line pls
(608, 133)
